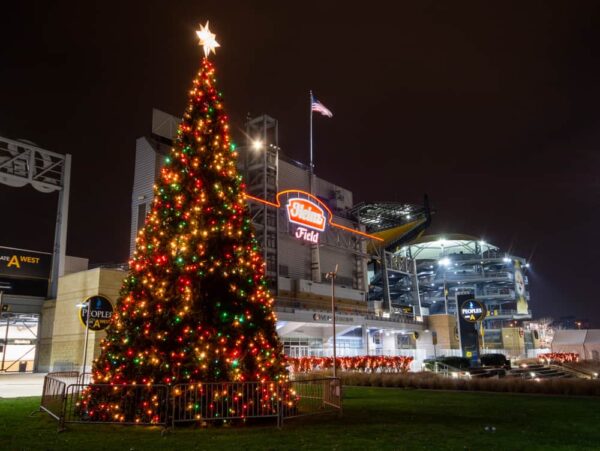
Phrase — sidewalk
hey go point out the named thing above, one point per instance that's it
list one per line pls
(21, 384)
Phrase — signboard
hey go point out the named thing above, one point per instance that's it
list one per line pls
(306, 213)
(472, 310)
(24, 287)
(24, 264)
(310, 214)
(470, 313)
(20, 341)
(309, 217)
(101, 312)
(522, 306)
(408, 309)
(325, 317)
(307, 235)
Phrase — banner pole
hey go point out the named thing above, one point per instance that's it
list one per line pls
(311, 135)
(6, 332)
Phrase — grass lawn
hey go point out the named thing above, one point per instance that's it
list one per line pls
(374, 418)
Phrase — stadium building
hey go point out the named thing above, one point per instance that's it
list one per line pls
(394, 289)
(461, 264)
(309, 227)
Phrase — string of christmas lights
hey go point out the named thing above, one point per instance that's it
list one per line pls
(195, 306)
(560, 357)
(365, 363)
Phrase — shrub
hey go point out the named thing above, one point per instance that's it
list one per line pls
(428, 380)
(495, 360)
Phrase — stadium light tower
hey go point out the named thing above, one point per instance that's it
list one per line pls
(261, 173)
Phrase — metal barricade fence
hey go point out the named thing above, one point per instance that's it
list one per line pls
(68, 400)
(54, 391)
(224, 401)
(314, 396)
(129, 404)
(85, 378)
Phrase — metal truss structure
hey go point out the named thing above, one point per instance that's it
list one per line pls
(23, 163)
(261, 169)
(27, 321)
(394, 283)
(377, 216)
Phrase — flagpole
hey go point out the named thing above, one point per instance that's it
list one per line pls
(311, 135)
(315, 263)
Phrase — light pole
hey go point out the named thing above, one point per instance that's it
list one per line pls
(332, 275)
(87, 332)
(6, 331)
(445, 262)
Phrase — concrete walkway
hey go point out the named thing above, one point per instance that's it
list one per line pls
(21, 384)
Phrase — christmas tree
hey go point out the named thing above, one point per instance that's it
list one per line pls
(195, 306)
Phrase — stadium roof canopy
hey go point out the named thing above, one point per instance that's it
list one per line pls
(433, 247)
(378, 216)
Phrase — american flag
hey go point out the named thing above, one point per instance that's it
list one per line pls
(319, 107)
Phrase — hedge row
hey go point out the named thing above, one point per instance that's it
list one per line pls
(427, 380)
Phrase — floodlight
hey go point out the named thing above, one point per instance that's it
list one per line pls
(445, 262)
(257, 144)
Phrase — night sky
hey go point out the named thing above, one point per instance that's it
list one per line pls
(491, 108)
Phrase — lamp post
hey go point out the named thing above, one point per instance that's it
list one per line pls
(445, 262)
(332, 275)
(445, 292)
(5, 332)
(87, 332)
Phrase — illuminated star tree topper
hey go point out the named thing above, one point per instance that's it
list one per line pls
(207, 40)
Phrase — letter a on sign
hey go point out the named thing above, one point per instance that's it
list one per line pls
(14, 261)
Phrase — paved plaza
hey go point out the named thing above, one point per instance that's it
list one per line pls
(21, 384)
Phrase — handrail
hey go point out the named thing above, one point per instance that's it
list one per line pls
(448, 370)
(395, 318)
(576, 371)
